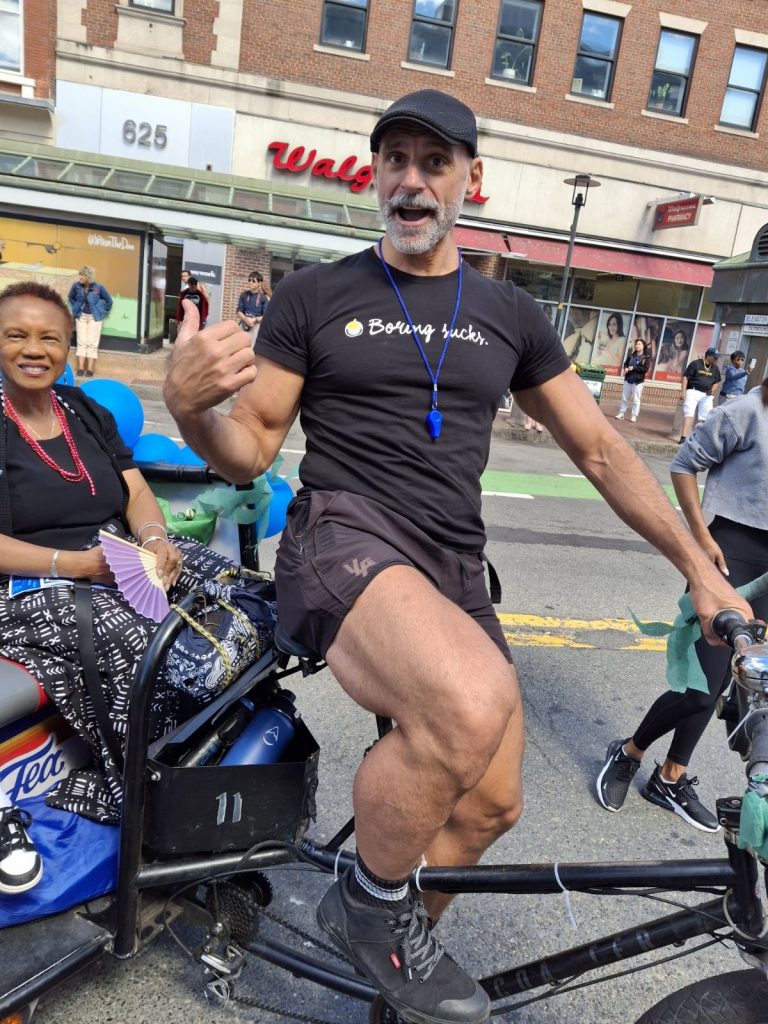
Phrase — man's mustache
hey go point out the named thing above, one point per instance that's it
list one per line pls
(407, 201)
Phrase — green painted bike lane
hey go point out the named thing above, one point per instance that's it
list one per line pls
(546, 486)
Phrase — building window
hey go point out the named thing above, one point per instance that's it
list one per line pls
(746, 82)
(164, 6)
(432, 32)
(344, 23)
(596, 56)
(10, 35)
(516, 38)
(672, 74)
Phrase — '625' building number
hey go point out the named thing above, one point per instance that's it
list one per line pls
(145, 134)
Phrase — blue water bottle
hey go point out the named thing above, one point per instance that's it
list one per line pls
(267, 734)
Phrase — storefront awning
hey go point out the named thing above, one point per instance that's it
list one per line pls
(586, 257)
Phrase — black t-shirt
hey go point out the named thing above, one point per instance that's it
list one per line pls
(53, 512)
(700, 376)
(367, 391)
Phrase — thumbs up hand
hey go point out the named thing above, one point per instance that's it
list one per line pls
(207, 366)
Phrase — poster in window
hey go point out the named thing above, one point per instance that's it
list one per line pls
(674, 351)
(579, 337)
(52, 254)
(611, 341)
(702, 341)
(549, 311)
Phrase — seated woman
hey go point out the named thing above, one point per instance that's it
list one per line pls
(64, 475)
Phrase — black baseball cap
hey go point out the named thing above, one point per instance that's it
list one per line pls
(713, 352)
(439, 113)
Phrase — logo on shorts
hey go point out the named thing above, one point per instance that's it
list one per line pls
(353, 329)
(356, 568)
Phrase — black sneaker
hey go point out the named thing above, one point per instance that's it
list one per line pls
(680, 798)
(401, 958)
(20, 864)
(614, 779)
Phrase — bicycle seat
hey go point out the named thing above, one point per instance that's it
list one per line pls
(286, 645)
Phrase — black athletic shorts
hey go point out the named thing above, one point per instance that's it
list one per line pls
(334, 543)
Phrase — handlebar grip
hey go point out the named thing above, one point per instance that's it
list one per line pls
(728, 623)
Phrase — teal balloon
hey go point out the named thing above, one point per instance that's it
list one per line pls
(156, 448)
(67, 377)
(281, 496)
(123, 403)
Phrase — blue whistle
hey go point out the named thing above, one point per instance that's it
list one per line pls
(434, 421)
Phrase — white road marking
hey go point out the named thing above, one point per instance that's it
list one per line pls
(507, 494)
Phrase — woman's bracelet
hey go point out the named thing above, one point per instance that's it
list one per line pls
(53, 572)
(155, 536)
(159, 526)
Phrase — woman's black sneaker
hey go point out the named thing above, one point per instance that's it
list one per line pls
(401, 958)
(20, 864)
(680, 797)
(614, 779)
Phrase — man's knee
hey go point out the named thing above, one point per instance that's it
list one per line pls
(468, 725)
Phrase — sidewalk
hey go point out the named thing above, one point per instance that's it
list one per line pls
(653, 434)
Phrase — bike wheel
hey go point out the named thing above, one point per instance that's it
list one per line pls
(739, 997)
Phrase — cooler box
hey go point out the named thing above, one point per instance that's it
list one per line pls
(593, 377)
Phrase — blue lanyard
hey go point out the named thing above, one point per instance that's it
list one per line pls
(434, 418)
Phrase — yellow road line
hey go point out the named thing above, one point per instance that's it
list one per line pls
(549, 631)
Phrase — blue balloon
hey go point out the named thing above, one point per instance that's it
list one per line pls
(123, 403)
(67, 377)
(281, 496)
(187, 457)
(156, 448)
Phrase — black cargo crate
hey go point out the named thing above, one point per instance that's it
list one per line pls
(221, 808)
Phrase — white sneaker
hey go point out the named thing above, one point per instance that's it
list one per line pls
(633, 419)
(20, 864)
(619, 416)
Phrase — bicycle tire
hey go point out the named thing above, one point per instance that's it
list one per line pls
(739, 997)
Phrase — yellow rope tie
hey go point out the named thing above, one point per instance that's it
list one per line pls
(213, 640)
(246, 622)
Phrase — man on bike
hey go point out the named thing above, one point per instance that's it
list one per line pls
(397, 357)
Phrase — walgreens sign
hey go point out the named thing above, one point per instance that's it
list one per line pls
(358, 177)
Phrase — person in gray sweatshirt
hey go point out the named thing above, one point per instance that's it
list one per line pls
(732, 445)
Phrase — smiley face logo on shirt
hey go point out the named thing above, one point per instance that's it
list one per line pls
(353, 329)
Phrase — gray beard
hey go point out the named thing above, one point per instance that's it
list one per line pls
(415, 241)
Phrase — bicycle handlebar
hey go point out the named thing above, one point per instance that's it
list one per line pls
(732, 627)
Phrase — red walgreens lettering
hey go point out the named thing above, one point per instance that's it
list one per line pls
(358, 179)
(295, 163)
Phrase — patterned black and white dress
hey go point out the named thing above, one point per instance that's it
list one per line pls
(38, 628)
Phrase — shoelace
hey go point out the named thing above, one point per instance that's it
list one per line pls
(12, 825)
(685, 787)
(421, 950)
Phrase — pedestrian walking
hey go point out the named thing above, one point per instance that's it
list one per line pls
(698, 388)
(636, 366)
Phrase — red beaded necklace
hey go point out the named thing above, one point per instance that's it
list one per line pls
(80, 472)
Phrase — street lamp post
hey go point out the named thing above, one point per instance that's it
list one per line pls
(578, 201)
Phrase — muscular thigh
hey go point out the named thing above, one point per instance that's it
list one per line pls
(406, 651)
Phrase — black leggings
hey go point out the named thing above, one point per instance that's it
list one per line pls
(746, 553)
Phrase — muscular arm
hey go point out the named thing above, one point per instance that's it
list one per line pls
(208, 368)
(568, 410)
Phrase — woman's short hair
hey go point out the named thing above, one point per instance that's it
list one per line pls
(88, 272)
(33, 290)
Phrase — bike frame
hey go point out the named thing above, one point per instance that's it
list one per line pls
(735, 877)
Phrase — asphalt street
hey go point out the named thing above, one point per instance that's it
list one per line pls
(561, 557)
